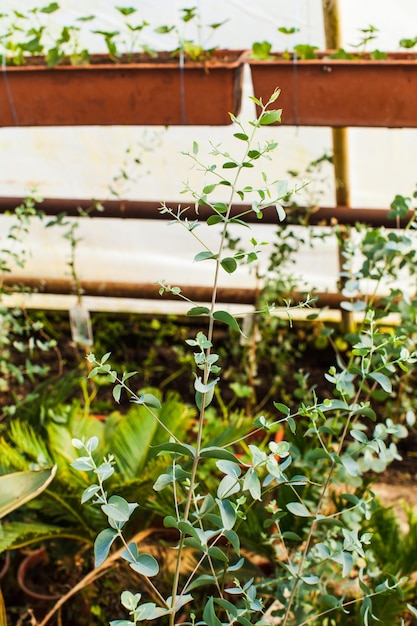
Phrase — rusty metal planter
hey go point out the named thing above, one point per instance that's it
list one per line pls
(339, 92)
(159, 91)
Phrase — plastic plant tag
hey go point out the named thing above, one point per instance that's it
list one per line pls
(81, 330)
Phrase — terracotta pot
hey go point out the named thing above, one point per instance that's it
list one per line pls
(34, 560)
(336, 92)
(157, 91)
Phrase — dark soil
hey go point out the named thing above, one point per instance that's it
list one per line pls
(210, 59)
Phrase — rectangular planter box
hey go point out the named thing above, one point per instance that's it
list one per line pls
(154, 92)
(336, 92)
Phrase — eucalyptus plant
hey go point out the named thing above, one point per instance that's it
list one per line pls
(20, 335)
(308, 491)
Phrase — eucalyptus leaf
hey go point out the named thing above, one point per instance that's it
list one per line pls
(198, 310)
(227, 318)
(102, 545)
(227, 512)
(298, 509)
(146, 565)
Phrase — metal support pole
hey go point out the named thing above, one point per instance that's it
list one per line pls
(340, 143)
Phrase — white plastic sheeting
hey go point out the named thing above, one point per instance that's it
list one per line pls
(86, 162)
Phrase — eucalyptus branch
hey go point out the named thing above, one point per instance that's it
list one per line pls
(344, 605)
(147, 400)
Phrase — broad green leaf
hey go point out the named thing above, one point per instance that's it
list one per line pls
(209, 614)
(83, 464)
(130, 600)
(213, 452)
(103, 544)
(148, 399)
(359, 435)
(241, 136)
(104, 471)
(289, 534)
(227, 318)
(382, 380)
(229, 265)
(208, 397)
(282, 408)
(204, 255)
(330, 601)
(170, 522)
(202, 581)
(218, 554)
(227, 606)
(236, 566)
(117, 509)
(252, 484)
(198, 310)
(270, 117)
(280, 212)
(292, 424)
(227, 487)
(117, 392)
(298, 509)
(310, 580)
(179, 448)
(347, 561)
(228, 513)
(92, 444)
(229, 165)
(131, 553)
(234, 220)
(204, 388)
(350, 466)
(209, 188)
(19, 487)
(89, 493)
(188, 529)
(180, 600)
(221, 207)
(146, 565)
(230, 468)
(214, 219)
(233, 539)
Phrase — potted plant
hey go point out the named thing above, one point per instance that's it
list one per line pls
(62, 84)
(337, 88)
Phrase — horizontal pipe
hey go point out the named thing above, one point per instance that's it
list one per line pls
(131, 209)
(150, 291)
(112, 289)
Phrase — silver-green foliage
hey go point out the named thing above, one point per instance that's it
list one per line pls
(313, 503)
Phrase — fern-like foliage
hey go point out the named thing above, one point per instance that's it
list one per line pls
(58, 511)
